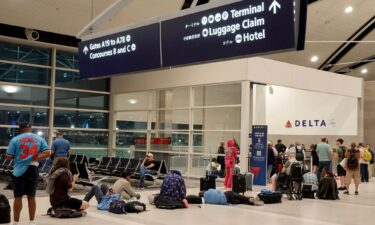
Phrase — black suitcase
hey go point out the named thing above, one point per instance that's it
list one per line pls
(239, 183)
(207, 183)
(4, 210)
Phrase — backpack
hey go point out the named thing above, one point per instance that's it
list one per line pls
(367, 155)
(173, 187)
(328, 189)
(162, 203)
(117, 207)
(296, 170)
(299, 154)
(352, 162)
(4, 210)
(135, 207)
(270, 197)
(106, 201)
(64, 213)
(193, 199)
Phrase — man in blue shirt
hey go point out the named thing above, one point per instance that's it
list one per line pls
(325, 156)
(60, 148)
(26, 150)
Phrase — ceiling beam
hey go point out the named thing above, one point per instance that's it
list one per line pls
(353, 66)
(359, 35)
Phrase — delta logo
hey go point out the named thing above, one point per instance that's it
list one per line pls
(307, 123)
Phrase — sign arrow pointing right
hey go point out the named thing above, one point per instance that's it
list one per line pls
(274, 6)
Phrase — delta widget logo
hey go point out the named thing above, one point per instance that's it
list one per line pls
(310, 123)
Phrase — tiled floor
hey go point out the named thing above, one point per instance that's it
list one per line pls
(350, 210)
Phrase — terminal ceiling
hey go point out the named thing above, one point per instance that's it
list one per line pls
(329, 27)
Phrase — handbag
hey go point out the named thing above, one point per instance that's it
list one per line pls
(343, 163)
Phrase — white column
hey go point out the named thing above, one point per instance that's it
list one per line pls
(112, 126)
(52, 98)
(245, 125)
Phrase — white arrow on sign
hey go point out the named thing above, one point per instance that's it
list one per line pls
(274, 6)
(85, 50)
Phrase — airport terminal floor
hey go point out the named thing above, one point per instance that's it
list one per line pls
(349, 210)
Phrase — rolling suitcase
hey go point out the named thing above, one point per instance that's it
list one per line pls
(239, 183)
(207, 182)
(249, 181)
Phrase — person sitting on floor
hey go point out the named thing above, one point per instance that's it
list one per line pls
(59, 183)
(286, 168)
(122, 186)
(310, 184)
(147, 165)
(172, 192)
(214, 196)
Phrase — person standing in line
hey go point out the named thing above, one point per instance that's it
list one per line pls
(341, 173)
(281, 148)
(352, 168)
(270, 161)
(230, 163)
(221, 159)
(325, 156)
(26, 150)
(363, 163)
(372, 161)
(60, 148)
(314, 158)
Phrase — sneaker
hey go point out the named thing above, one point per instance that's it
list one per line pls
(356, 193)
(32, 223)
(14, 223)
(346, 193)
(258, 203)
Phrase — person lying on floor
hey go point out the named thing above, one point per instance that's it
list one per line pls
(172, 193)
(122, 186)
(59, 183)
(214, 196)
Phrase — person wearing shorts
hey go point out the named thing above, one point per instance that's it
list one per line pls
(341, 172)
(60, 183)
(352, 169)
(26, 150)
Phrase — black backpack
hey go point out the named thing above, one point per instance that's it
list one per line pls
(117, 207)
(299, 154)
(64, 213)
(135, 207)
(4, 210)
(162, 203)
(193, 199)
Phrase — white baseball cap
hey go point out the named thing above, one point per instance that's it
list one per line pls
(150, 155)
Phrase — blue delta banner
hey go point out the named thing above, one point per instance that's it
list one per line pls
(258, 161)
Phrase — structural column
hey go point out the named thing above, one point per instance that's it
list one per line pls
(245, 126)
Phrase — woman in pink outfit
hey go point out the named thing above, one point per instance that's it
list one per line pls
(230, 162)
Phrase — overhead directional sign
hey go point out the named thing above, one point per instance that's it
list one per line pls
(128, 51)
(236, 30)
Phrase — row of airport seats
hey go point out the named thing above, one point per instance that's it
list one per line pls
(115, 166)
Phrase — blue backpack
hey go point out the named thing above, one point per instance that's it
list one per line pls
(173, 188)
(106, 201)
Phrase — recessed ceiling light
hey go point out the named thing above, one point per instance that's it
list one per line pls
(349, 9)
(133, 101)
(10, 89)
(314, 58)
(40, 133)
(364, 71)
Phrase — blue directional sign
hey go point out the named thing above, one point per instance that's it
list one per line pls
(239, 29)
(128, 51)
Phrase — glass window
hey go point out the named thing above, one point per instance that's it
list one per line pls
(226, 94)
(170, 141)
(170, 120)
(217, 118)
(77, 119)
(133, 140)
(12, 115)
(171, 98)
(73, 99)
(24, 74)
(95, 153)
(131, 101)
(82, 138)
(209, 142)
(6, 134)
(69, 79)
(67, 60)
(134, 120)
(178, 162)
(26, 54)
(24, 95)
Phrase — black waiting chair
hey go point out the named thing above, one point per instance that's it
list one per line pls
(102, 165)
(122, 166)
(111, 166)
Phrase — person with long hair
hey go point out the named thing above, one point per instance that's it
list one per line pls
(230, 163)
(60, 182)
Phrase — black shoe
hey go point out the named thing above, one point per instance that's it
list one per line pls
(356, 193)
(341, 188)
(346, 193)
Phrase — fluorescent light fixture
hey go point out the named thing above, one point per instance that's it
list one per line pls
(10, 89)
(40, 133)
(348, 9)
(314, 58)
(133, 101)
(364, 70)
